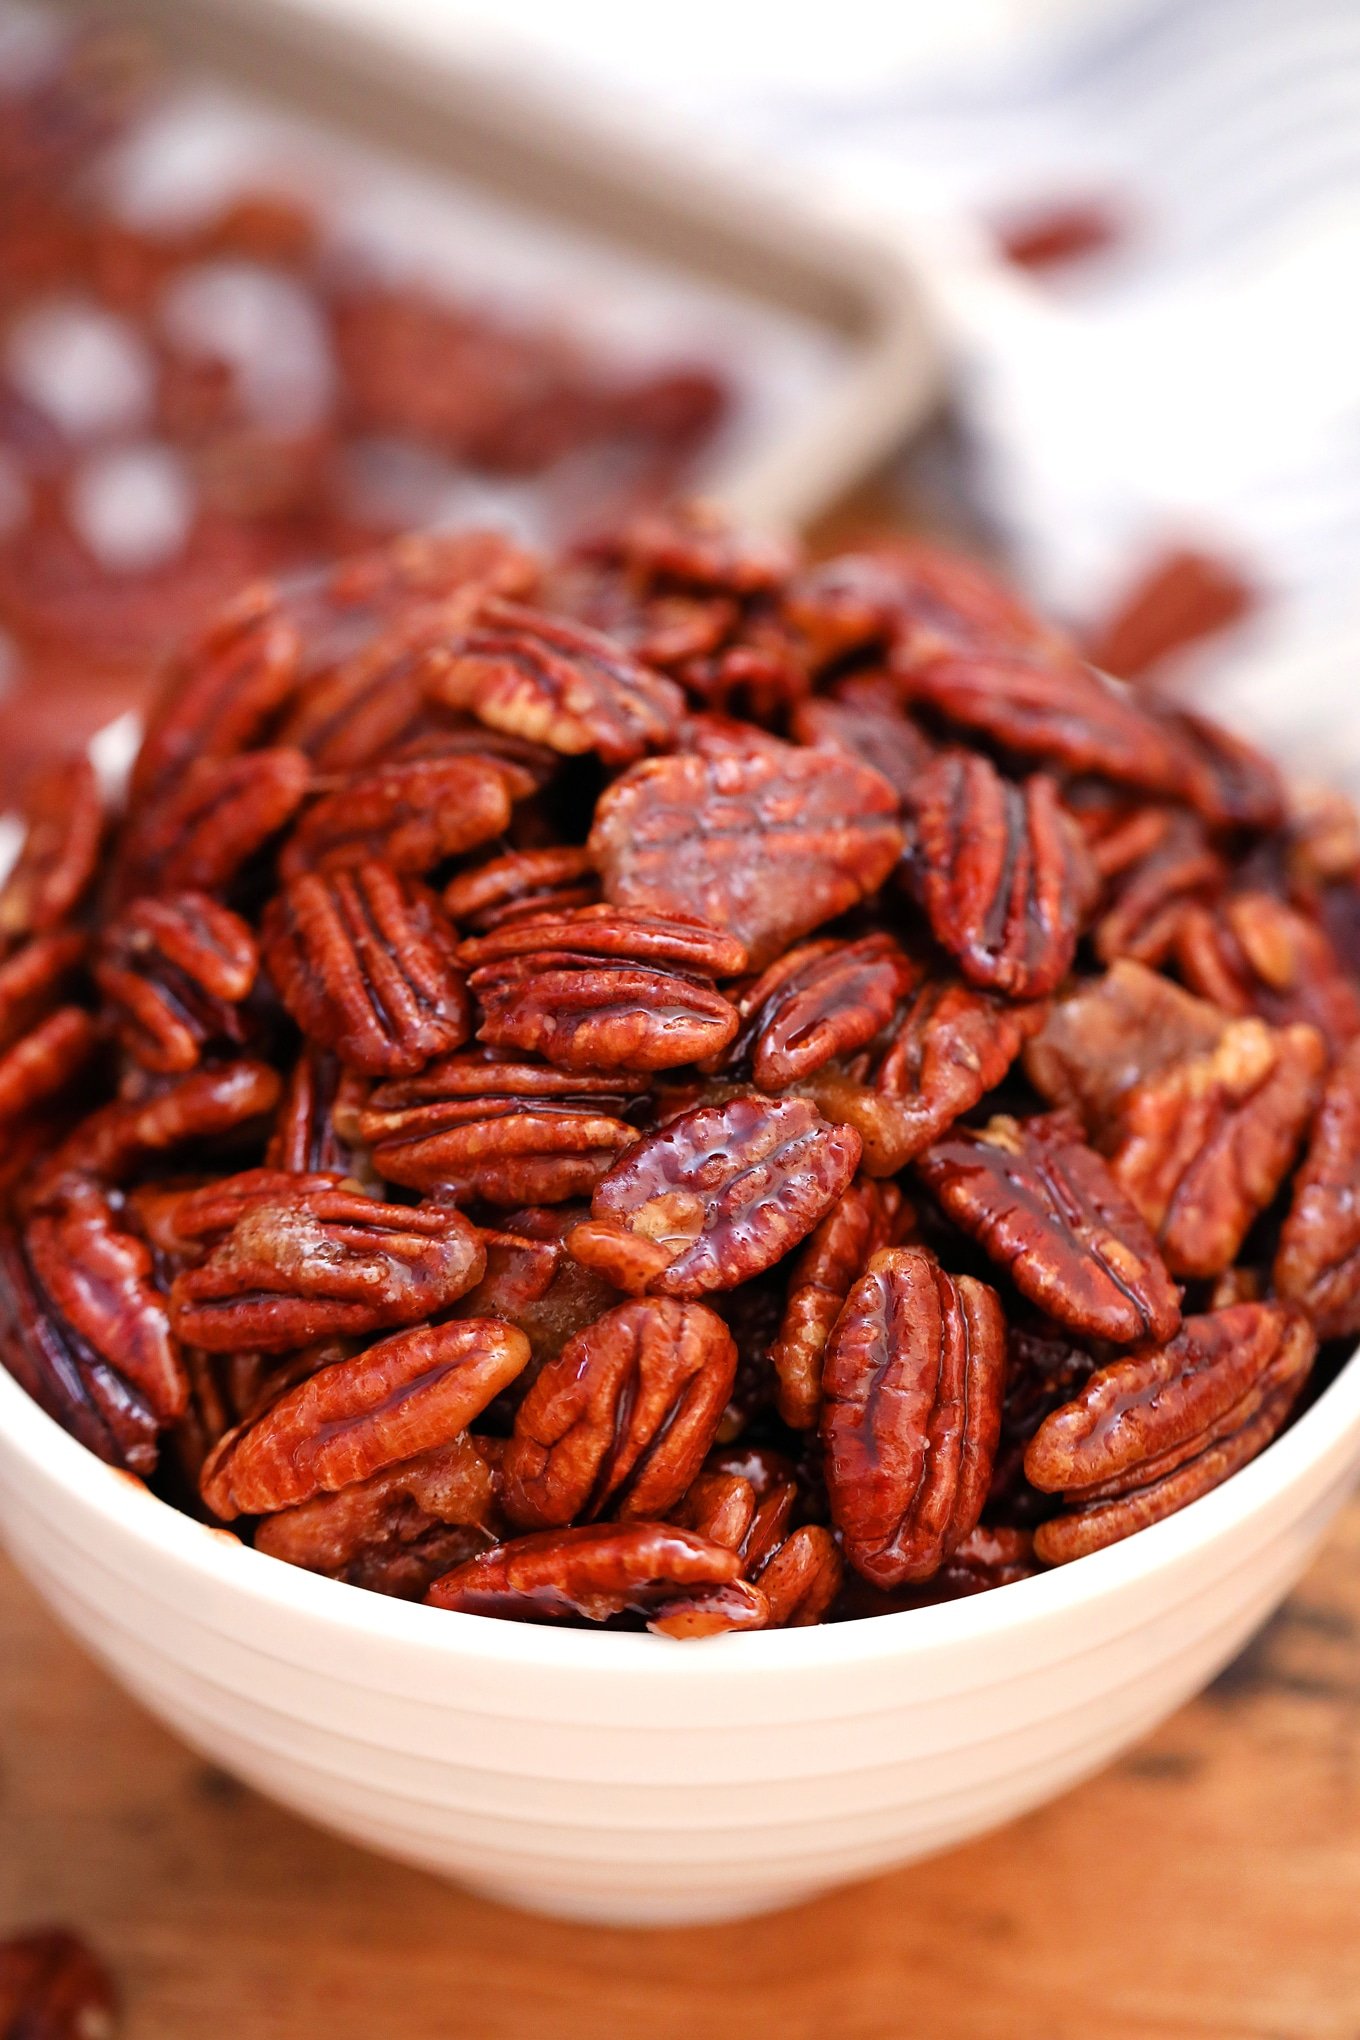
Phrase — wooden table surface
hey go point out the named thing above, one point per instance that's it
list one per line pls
(1206, 1888)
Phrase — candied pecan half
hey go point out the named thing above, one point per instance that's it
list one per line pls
(409, 816)
(203, 1106)
(621, 1419)
(398, 1399)
(720, 1193)
(312, 1264)
(1048, 705)
(533, 1282)
(1227, 779)
(1158, 864)
(476, 1126)
(98, 1277)
(1159, 1428)
(317, 1126)
(696, 545)
(1256, 954)
(822, 1000)
(913, 1379)
(1318, 1263)
(212, 817)
(182, 1221)
(524, 885)
(43, 1043)
(60, 850)
(74, 1383)
(801, 1578)
(767, 845)
(952, 1046)
(592, 1574)
(390, 1530)
(605, 988)
(1198, 1115)
(831, 1261)
(863, 718)
(1045, 1207)
(53, 1988)
(1001, 873)
(174, 971)
(1183, 594)
(559, 683)
(364, 961)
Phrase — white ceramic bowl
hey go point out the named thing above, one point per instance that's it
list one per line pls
(633, 1779)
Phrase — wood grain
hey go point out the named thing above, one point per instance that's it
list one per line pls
(1206, 1888)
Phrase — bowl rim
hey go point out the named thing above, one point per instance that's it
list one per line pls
(130, 1510)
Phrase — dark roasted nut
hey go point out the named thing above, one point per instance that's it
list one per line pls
(590, 1574)
(952, 1046)
(1199, 1115)
(721, 1193)
(209, 821)
(1045, 1207)
(1049, 706)
(1255, 954)
(524, 885)
(391, 1531)
(1318, 1263)
(53, 1988)
(620, 1421)
(174, 971)
(1001, 873)
(822, 1000)
(203, 1106)
(605, 988)
(364, 962)
(912, 1382)
(801, 1578)
(1158, 863)
(557, 683)
(98, 1279)
(509, 1133)
(317, 1126)
(1155, 1430)
(318, 1263)
(60, 851)
(831, 1261)
(408, 816)
(401, 1398)
(768, 846)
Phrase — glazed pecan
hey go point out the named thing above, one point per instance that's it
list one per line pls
(557, 683)
(532, 1281)
(1318, 1263)
(477, 1126)
(1157, 864)
(1049, 706)
(174, 971)
(53, 1988)
(605, 988)
(1155, 1430)
(315, 1263)
(913, 1378)
(768, 846)
(695, 545)
(43, 1041)
(820, 1001)
(201, 1107)
(409, 816)
(831, 1261)
(1227, 779)
(398, 1400)
(98, 1278)
(525, 885)
(1256, 954)
(801, 1578)
(1198, 1115)
(719, 1194)
(400, 1529)
(182, 1221)
(317, 1126)
(60, 851)
(1001, 873)
(209, 821)
(1045, 1207)
(862, 717)
(364, 961)
(620, 1421)
(598, 1571)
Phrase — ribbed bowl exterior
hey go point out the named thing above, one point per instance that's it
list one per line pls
(628, 1778)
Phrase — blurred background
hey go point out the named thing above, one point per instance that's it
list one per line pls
(1102, 258)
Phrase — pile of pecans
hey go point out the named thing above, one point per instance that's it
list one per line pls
(676, 1085)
